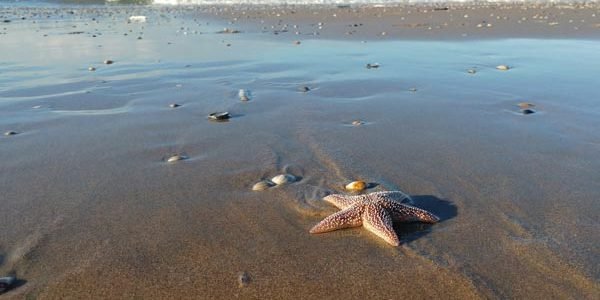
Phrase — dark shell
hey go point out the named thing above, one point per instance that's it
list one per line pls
(219, 116)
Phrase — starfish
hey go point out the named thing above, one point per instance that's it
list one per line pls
(375, 211)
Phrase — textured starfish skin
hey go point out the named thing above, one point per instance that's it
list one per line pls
(375, 211)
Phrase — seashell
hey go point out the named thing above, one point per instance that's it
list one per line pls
(174, 105)
(91, 69)
(413, 89)
(6, 283)
(283, 179)
(357, 122)
(243, 279)
(297, 42)
(108, 62)
(503, 67)
(471, 71)
(262, 185)
(304, 89)
(219, 116)
(140, 19)
(10, 133)
(175, 158)
(244, 95)
(356, 185)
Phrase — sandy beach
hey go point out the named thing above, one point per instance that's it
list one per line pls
(90, 207)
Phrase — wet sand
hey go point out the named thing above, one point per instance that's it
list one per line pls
(91, 208)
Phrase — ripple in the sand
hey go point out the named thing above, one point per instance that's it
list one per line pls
(176, 158)
(9, 133)
(283, 179)
(262, 185)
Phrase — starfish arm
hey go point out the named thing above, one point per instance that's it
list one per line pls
(342, 219)
(341, 201)
(379, 221)
(407, 213)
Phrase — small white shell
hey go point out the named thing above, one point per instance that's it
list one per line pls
(10, 133)
(175, 158)
(244, 95)
(283, 179)
(503, 67)
(262, 185)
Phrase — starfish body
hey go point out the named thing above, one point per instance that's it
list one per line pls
(375, 211)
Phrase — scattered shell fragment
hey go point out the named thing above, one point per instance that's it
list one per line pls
(412, 89)
(243, 279)
(356, 185)
(6, 283)
(175, 158)
(219, 116)
(262, 185)
(527, 111)
(244, 95)
(283, 179)
(525, 105)
(91, 69)
(108, 62)
(471, 71)
(10, 133)
(372, 66)
(502, 67)
(304, 89)
(357, 122)
(174, 105)
(297, 42)
(141, 19)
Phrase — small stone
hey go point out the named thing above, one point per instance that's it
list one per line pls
(503, 67)
(373, 66)
(6, 283)
(283, 179)
(356, 185)
(91, 69)
(262, 185)
(527, 111)
(243, 279)
(176, 158)
(10, 133)
(357, 122)
(219, 116)
(108, 62)
(304, 89)
(174, 105)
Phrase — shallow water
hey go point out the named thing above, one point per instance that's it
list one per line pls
(87, 193)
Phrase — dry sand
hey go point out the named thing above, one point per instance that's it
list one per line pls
(91, 209)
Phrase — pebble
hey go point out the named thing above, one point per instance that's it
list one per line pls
(175, 158)
(10, 133)
(243, 279)
(6, 283)
(91, 69)
(283, 179)
(174, 105)
(108, 62)
(503, 67)
(244, 95)
(356, 185)
(219, 116)
(262, 185)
